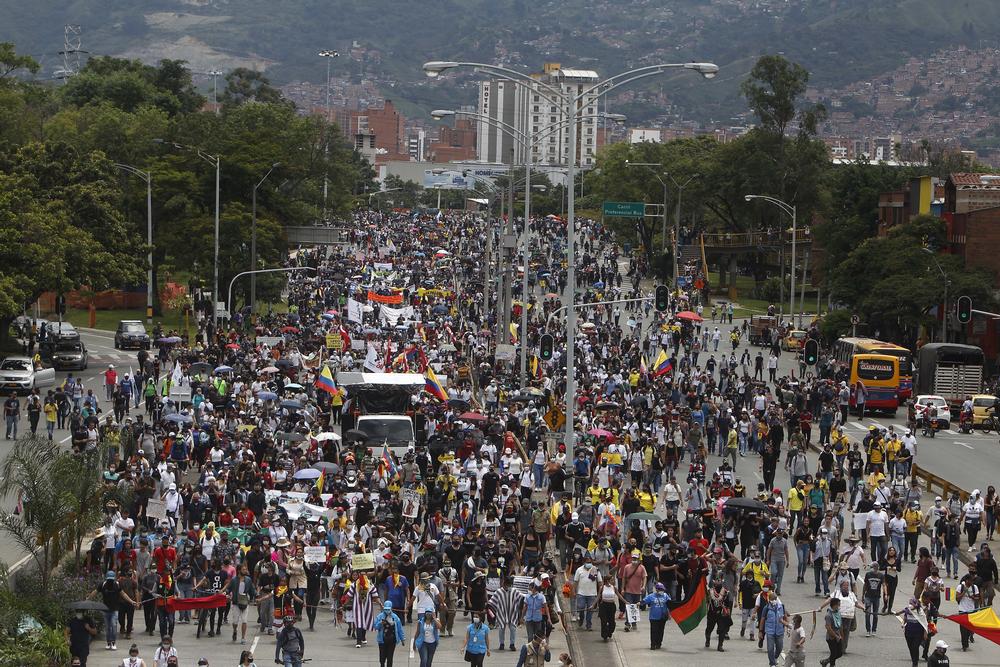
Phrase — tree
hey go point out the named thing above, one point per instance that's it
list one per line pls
(10, 62)
(771, 91)
(246, 85)
(129, 85)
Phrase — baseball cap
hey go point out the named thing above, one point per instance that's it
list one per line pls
(941, 644)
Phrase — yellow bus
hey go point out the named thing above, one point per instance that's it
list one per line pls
(845, 348)
(878, 375)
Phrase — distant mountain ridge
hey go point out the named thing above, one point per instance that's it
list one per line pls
(839, 41)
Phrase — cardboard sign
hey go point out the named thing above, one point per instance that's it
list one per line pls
(362, 562)
(632, 613)
(315, 554)
(270, 341)
(411, 503)
(156, 509)
(521, 584)
(334, 341)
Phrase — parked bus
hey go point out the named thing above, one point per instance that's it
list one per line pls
(879, 374)
(951, 371)
(845, 348)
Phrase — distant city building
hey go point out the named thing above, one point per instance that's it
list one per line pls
(384, 127)
(528, 109)
(454, 144)
(416, 144)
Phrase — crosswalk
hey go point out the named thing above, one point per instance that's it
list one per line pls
(866, 425)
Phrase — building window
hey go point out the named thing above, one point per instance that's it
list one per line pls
(589, 141)
(553, 109)
(552, 119)
(534, 118)
(535, 108)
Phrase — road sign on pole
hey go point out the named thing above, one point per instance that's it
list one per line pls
(624, 209)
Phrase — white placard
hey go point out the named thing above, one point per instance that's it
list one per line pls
(411, 503)
(315, 554)
(156, 509)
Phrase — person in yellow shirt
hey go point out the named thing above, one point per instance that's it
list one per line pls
(594, 492)
(633, 379)
(892, 447)
(914, 519)
(841, 445)
(647, 499)
(873, 479)
(51, 415)
(758, 568)
(876, 454)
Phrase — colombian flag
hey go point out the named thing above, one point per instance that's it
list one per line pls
(536, 367)
(983, 622)
(433, 387)
(325, 381)
(319, 481)
(643, 365)
(387, 461)
(513, 332)
(662, 365)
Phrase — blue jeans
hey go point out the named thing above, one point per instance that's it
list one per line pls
(803, 550)
(585, 607)
(898, 541)
(538, 472)
(427, 650)
(821, 577)
(951, 556)
(12, 426)
(775, 644)
(777, 574)
(503, 631)
(292, 660)
(111, 626)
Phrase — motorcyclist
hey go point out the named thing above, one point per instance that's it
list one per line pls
(965, 414)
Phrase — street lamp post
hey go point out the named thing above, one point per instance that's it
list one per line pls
(253, 244)
(677, 214)
(148, 177)
(790, 210)
(944, 315)
(572, 110)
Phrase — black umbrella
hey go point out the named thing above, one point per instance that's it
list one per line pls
(200, 367)
(87, 605)
(284, 363)
(459, 404)
(355, 434)
(745, 505)
(289, 436)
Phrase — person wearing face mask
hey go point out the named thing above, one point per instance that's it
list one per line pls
(165, 651)
(476, 645)
(914, 628)
(534, 653)
(586, 582)
(939, 658)
(720, 606)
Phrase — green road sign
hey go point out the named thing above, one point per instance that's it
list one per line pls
(624, 209)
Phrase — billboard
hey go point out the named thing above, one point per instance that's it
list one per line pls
(447, 180)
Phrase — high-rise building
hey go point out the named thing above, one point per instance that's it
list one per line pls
(532, 112)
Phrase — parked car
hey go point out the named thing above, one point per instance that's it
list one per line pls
(131, 334)
(56, 331)
(70, 354)
(20, 374)
(925, 401)
(793, 340)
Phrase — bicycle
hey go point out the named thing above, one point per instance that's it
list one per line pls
(990, 424)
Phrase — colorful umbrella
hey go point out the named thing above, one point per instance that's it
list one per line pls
(689, 316)
(472, 417)
(601, 433)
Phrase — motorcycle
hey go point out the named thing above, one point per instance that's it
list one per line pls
(965, 422)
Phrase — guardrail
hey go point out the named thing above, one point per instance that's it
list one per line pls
(748, 239)
(930, 481)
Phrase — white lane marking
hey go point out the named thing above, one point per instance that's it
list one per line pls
(956, 442)
(858, 425)
(253, 644)
(950, 432)
(68, 437)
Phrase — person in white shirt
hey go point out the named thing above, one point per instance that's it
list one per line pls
(875, 525)
(972, 513)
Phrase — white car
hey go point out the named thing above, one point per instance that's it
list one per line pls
(925, 401)
(19, 374)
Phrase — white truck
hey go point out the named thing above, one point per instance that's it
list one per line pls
(381, 406)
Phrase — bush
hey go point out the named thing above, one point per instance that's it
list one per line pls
(770, 290)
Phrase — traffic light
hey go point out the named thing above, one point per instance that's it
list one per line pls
(61, 304)
(811, 352)
(662, 298)
(545, 348)
(963, 309)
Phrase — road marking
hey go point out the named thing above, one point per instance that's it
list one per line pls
(253, 644)
(956, 442)
(68, 437)
(16, 566)
(950, 432)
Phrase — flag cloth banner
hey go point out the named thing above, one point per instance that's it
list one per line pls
(513, 332)
(390, 465)
(355, 311)
(373, 361)
(391, 299)
(662, 365)
(536, 367)
(689, 613)
(983, 622)
(433, 386)
(394, 316)
(190, 604)
(643, 365)
(324, 381)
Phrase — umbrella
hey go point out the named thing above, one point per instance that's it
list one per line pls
(87, 605)
(266, 395)
(307, 473)
(328, 317)
(601, 433)
(325, 465)
(233, 346)
(292, 405)
(552, 295)
(178, 418)
(355, 434)
(289, 329)
(268, 369)
(608, 405)
(588, 325)
(246, 427)
(472, 417)
(599, 284)
(458, 403)
(439, 309)
(745, 504)
(290, 437)
(224, 369)
(534, 392)
(642, 516)
(169, 340)
(199, 367)
(688, 315)
(294, 386)
(284, 363)
(329, 435)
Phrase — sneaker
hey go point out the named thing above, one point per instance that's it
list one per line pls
(114, 646)
(357, 646)
(868, 634)
(511, 647)
(107, 647)
(500, 648)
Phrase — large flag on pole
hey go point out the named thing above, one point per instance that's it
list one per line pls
(433, 386)
(324, 381)
(662, 366)
(689, 613)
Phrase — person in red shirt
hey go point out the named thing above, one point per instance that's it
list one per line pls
(226, 517)
(164, 554)
(245, 516)
(110, 380)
